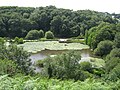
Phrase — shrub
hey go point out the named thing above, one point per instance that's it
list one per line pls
(32, 35)
(114, 74)
(41, 34)
(18, 55)
(98, 71)
(18, 40)
(103, 48)
(65, 66)
(49, 35)
(114, 53)
(8, 67)
(2, 40)
(86, 66)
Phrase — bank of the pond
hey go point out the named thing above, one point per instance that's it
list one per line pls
(43, 49)
(86, 55)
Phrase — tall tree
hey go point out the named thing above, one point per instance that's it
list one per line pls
(56, 25)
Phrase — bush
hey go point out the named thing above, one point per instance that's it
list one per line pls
(86, 66)
(41, 34)
(18, 40)
(65, 66)
(98, 71)
(2, 40)
(7, 67)
(103, 48)
(32, 35)
(111, 63)
(114, 53)
(114, 74)
(49, 35)
(18, 55)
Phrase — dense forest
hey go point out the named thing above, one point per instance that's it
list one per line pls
(98, 30)
(18, 21)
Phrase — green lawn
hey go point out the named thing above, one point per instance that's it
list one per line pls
(35, 47)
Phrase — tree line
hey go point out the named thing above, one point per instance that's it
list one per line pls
(18, 21)
(104, 39)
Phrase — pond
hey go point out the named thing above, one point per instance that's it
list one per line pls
(85, 55)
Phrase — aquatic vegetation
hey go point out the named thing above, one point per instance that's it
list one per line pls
(35, 47)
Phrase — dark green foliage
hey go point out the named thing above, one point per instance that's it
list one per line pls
(115, 53)
(49, 35)
(117, 40)
(104, 31)
(86, 37)
(2, 41)
(8, 67)
(26, 15)
(18, 21)
(39, 83)
(113, 65)
(40, 63)
(63, 66)
(97, 27)
(64, 31)
(66, 66)
(98, 71)
(56, 25)
(86, 66)
(41, 34)
(21, 10)
(18, 40)
(103, 48)
(32, 35)
(18, 55)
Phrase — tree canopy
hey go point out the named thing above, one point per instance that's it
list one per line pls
(18, 21)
